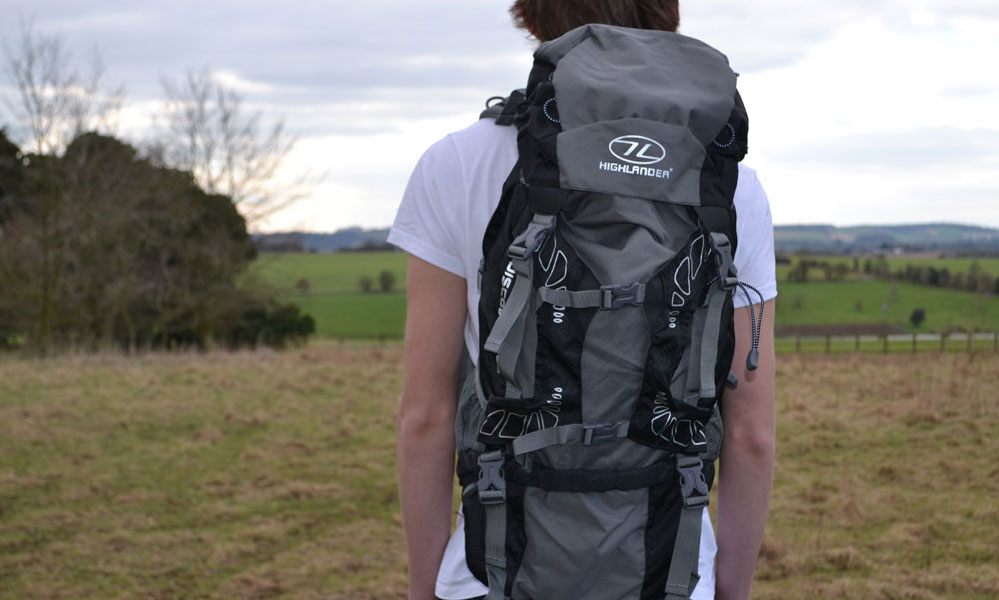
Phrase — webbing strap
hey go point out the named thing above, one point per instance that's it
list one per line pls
(564, 434)
(588, 480)
(714, 218)
(479, 393)
(709, 341)
(568, 299)
(692, 392)
(508, 331)
(495, 550)
(512, 328)
(608, 297)
(492, 496)
(683, 574)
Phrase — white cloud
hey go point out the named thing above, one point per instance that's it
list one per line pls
(858, 109)
(848, 132)
(234, 81)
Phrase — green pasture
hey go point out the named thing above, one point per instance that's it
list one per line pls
(341, 311)
(895, 262)
(333, 296)
(883, 302)
(355, 315)
(954, 265)
(329, 272)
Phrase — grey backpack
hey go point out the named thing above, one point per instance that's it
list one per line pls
(588, 432)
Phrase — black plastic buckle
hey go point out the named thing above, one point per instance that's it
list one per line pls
(693, 488)
(617, 296)
(492, 481)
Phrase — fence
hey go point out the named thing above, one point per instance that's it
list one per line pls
(893, 343)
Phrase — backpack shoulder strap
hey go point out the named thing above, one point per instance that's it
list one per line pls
(504, 110)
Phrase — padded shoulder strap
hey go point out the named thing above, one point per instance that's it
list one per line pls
(505, 110)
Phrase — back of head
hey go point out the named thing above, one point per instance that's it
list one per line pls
(549, 19)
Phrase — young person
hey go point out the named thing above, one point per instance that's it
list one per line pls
(440, 223)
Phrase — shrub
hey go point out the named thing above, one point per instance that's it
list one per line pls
(386, 281)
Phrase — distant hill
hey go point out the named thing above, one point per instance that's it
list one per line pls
(352, 238)
(930, 237)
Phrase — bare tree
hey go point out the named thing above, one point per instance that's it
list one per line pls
(230, 150)
(53, 101)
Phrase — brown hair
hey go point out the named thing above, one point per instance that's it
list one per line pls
(549, 19)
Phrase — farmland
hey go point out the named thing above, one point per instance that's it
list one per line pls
(271, 475)
(342, 311)
(333, 296)
(883, 302)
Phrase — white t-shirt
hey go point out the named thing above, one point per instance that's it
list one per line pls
(447, 205)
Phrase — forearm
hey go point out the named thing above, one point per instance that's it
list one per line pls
(744, 483)
(435, 317)
(425, 454)
(747, 463)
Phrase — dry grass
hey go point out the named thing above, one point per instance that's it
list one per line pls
(252, 475)
(886, 483)
(263, 475)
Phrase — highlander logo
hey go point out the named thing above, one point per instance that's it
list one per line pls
(640, 152)
(649, 151)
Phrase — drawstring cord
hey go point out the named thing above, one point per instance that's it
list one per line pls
(755, 322)
(753, 359)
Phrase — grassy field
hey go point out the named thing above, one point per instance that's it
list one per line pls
(327, 273)
(271, 475)
(891, 303)
(342, 311)
(895, 262)
(334, 297)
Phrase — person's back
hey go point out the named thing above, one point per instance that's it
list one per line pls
(451, 196)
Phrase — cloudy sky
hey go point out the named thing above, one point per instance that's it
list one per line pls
(862, 111)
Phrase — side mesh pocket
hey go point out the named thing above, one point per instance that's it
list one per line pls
(469, 417)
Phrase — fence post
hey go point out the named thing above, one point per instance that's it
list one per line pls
(970, 340)
(913, 343)
(856, 343)
(828, 343)
(884, 339)
(943, 341)
(797, 343)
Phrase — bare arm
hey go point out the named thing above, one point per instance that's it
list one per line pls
(435, 319)
(747, 461)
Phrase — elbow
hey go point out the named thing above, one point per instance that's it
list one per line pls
(420, 421)
(754, 445)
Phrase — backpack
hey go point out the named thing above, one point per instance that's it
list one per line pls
(588, 431)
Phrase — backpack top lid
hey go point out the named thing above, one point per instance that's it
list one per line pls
(635, 111)
(623, 73)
